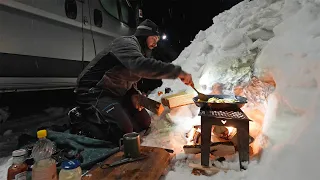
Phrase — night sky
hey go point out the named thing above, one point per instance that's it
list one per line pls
(181, 20)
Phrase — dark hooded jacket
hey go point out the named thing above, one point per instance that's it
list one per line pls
(119, 67)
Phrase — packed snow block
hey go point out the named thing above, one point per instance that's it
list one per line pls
(277, 6)
(207, 48)
(244, 23)
(259, 43)
(177, 100)
(201, 36)
(266, 13)
(234, 39)
(235, 23)
(265, 76)
(269, 23)
(217, 88)
(260, 34)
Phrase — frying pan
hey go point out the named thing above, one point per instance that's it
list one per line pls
(240, 104)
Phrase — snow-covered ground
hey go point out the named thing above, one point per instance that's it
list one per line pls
(278, 38)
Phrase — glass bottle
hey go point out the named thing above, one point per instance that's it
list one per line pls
(18, 169)
(44, 167)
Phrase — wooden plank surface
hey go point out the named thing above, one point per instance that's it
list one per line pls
(177, 100)
(150, 168)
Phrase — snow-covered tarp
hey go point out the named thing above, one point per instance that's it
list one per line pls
(258, 38)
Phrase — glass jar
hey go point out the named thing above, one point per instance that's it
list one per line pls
(71, 170)
(44, 170)
(18, 169)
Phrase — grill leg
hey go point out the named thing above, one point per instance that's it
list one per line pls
(243, 144)
(206, 128)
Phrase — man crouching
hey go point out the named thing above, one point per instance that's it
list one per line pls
(107, 86)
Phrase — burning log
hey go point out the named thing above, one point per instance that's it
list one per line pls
(228, 134)
(220, 130)
(194, 135)
(216, 149)
(224, 138)
(197, 137)
(220, 133)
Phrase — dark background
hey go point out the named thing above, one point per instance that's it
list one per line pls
(181, 20)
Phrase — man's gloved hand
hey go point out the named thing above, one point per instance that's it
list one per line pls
(136, 103)
(186, 78)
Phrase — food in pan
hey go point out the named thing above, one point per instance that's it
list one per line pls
(217, 100)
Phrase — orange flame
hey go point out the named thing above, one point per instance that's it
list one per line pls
(230, 130)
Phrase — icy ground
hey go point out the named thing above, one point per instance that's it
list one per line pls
(278, 38)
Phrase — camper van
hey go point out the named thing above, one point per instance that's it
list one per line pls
(45, 44)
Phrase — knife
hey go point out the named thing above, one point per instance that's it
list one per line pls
(122, 161)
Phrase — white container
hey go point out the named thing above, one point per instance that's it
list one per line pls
(71, 170)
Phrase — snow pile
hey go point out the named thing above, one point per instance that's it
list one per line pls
(278, 38)
(223, 58)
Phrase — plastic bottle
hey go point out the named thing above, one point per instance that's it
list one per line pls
(71, 170)
(18, 169)
(44, 167)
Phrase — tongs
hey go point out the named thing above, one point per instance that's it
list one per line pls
(201, 96)
(122, 161)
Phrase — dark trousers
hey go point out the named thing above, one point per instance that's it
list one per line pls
(116, 116)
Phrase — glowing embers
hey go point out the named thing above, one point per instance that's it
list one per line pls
(218, 134)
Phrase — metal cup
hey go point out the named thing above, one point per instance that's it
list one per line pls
(131, 145)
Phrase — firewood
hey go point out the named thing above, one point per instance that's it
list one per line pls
(234, 139)
(179, 99)
(198, 172)
(220, 130)
(151, 105)
(211, 170)
(216, 149)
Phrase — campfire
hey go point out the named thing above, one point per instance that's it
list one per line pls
(218, 133)
(257, 92)
(223, 124)
(223, 141)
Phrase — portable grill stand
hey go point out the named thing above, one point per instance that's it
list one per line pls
(224, 117)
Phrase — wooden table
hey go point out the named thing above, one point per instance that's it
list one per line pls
(150, 168)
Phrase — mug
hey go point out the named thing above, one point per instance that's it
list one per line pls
(131, 145)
